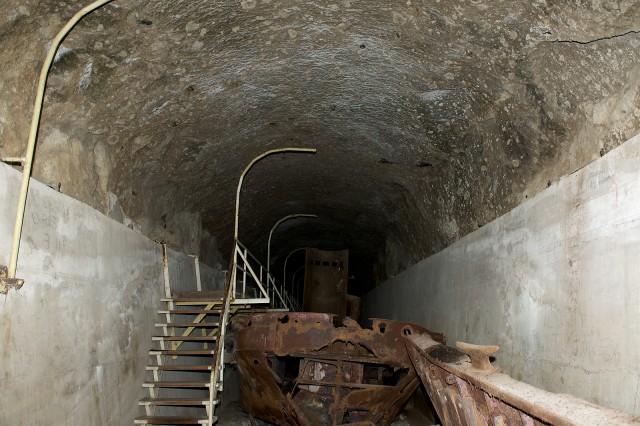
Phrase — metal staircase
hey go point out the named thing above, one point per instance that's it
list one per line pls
(186, 370)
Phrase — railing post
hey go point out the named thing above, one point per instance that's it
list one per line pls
(196, 261)
(273, 292)
(233, 272)
(244, 275)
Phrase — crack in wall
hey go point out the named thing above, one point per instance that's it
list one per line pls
(595, 40)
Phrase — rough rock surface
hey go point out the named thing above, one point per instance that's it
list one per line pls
(430, 118)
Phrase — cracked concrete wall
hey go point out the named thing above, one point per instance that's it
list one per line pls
(555, 283)
(74, 339)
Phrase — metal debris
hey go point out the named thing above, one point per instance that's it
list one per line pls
(309, 369)
(472, 392)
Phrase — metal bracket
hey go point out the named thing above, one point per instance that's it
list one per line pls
(13, 160)
(479, 356)
(8, 283)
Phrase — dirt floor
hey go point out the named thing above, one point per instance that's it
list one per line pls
(233, 415)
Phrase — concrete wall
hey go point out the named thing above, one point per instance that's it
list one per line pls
(555, 283)
(182, 273)
(74, 339)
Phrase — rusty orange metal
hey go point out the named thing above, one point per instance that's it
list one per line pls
(325, 281)
(313, 369)
(466, 389)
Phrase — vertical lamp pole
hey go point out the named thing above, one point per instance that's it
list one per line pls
(293, 280)
(284, 270)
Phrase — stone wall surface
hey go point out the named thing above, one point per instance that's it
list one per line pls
(431, 118)
(555, 283)
(74, 339)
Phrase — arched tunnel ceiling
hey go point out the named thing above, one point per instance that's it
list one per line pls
(431, 118)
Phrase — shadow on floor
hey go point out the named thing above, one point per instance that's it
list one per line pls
(233, 415)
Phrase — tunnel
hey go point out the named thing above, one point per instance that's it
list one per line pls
(478, 159)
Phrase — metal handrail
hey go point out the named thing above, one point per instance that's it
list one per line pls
(253, 271)
(217, 369)
(251, 256)
(241, 262)
(276, 291)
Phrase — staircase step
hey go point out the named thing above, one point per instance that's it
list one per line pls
(189, 324)
(174, 384)
(171, 420)
(182, 353)
(191, 311)
(191, 301)
(173, 401)
(179, 367)
(196, 297)
(185, 338)
(207, 294)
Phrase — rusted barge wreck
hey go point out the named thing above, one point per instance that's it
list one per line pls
(304, 369)
(324, 369)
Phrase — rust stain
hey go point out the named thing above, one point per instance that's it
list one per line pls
(470, 391)
(311, 369)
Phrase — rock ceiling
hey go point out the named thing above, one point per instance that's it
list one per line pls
(431, 118)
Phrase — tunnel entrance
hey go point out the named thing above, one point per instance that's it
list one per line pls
(478, 159)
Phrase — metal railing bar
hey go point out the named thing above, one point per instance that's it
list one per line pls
(253, 274)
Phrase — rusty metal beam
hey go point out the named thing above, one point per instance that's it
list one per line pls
(305, 369)
(466, 389)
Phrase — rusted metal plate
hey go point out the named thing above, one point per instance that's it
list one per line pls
(475, 394)
(325, 281)
(7, 283)
(303, 369)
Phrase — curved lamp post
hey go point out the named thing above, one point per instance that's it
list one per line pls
(278, 223)
(254, 161)
(232, 273)
(27, 160)
(293, 280)
(284, 270)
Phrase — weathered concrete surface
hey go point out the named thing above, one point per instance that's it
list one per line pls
(74, 339)
(555, 283)
(182, 274)
(431, 118)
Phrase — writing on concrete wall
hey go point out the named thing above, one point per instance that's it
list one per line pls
(41, 222)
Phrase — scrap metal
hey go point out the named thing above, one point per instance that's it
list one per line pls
(466, 389)
(312, 369)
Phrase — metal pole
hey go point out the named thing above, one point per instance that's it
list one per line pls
(284, 219)
(293, 279)
(254, 161)
(284, 270)
(27, 161)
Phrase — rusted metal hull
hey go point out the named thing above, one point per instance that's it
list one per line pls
(325, 281)
(476, 394)
(302, 369)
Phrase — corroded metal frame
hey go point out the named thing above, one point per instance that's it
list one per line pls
(305, 369)
(466, 389)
